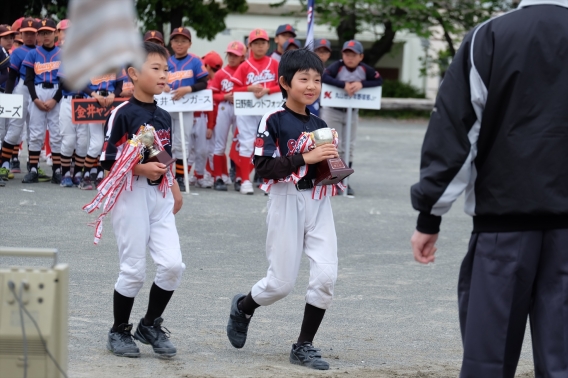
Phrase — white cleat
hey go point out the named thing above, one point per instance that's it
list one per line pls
(246, 187)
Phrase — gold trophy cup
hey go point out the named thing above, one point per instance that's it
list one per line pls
(329, 171)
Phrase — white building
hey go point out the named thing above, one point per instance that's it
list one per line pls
(403, 63)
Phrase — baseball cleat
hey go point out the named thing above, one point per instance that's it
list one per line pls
(220, 185)
(121, 343)
(41, 176)
(2, 182)
(226, 179)
(238, 186)
(67, 182)
(306, 355)
(76, 180)
(56, 178)
(237, 328)
(246, 188)
(86, 183)
(350, 192)
(5, 174)
(157, 336)
(30, 178)
(15, 166)
(204, 183)
(181, 184)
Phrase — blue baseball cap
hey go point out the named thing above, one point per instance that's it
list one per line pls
(291, 41)
(354, 46)
(322, 42)
(286, 28)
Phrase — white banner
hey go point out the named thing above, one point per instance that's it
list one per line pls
(366, 98)
(247, 104)
(11, 105)
(201, 101)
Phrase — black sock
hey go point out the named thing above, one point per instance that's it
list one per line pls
(65, 164)
(6, 153)
(248, 305)
(122, 306)
(312, 320)
(179, 168)
(159, 299)
(34, 159)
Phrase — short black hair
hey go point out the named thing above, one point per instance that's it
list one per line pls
(300, 60)
(154, 48)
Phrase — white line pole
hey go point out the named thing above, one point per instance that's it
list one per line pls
(183, 152)
(347, 144)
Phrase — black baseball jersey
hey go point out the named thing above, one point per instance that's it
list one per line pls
(279, 131)
(125, 121)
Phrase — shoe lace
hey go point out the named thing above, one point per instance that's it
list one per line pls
(311, 351)
(126, 336)
(163, 333)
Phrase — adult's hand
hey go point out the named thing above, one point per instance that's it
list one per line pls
(424, 247)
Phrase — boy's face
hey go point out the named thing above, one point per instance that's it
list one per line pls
(351, 58)
(234, 60)
(280, 39)
(61, 36)
(7, 41)
(29, 38)
(259, 48)
(305, 87)
(180, 45)
(151, 79)
(39, 39)
(323, 53)
(48, 38)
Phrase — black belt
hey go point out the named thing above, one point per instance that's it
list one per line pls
(103, 93)
(74, 97)
(304, 184)
(47, 85)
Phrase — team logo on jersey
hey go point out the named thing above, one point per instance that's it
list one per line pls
(265, 77)
(227, 85)
(259, 143)
(179, 75)
(164, 136)
(291, 146)
(102, 79)
(41, 68)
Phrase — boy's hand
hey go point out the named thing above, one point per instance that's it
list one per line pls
(108, 100)
(180, 92)
(209, 134)
(321, 153)
(50, 104)
(167, 88)
(424, 247)
(255, 88)
(100, 99)
(40, 105)
(151, 170)
(178, 198)
(229, 97)
(352, 88)
(263, 92)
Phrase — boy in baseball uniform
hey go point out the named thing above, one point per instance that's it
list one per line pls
(283, 33)
(187, 75)
(322, 48)
(351, 74)
(222, 88)
(299, 218)
(143, 217)
(258, 74)
(42, 65)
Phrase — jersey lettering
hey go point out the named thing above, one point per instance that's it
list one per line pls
(103, 79)
(265, 77)
(227, 85)
(179, 75)
(41, 68)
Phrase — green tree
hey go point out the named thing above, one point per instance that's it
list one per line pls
(12, 10)
(206, 17)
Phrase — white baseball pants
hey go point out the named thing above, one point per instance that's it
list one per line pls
(176, 134)
(15, 126)
(225, 119)
(297, 223)
(337, 119)
(3, 124)
(96, 138)
(248, 128)
(40, 120)
(75, 137)
(143, 218)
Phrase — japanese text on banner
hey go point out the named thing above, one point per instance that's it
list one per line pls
(89, 110)
(201, 101)
(11, 105)
(247, 104)
(366, 98)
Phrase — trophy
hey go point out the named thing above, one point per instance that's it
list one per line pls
(329, 171)
(147, 139)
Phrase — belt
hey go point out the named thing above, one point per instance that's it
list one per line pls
(103, 93)
(74, 97)
(47, 85)
(304, 184)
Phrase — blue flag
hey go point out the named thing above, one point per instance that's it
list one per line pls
(310, 36)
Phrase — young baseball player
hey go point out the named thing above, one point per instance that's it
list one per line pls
(283, 33)
(187, 75)
(222, 88)
(42, 81)
(18, 41)
(322, 48)
(298, 219)
(104, 89)
(143, 217)
(351, 74)
(292, 44)
(258, 74)
(62, 27)
(154, 36)
(6, 44)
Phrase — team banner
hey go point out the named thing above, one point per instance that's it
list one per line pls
(310, 35)
(11, 105)
(88, 110)
(201, 101)
(247, 104)
(366, 98)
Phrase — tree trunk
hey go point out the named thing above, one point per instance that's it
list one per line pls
(382, 46)
(176, 18)
(347, 28)
(447, 37)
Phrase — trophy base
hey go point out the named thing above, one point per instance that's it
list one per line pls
(332, 171)
(162, 157)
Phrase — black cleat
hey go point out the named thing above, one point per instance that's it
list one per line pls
(157, 336)
(220, 185)
(181, 184)
(306, 355)
(2, 182)
(237, 328)
(56, 178)
(350, 192)
(30, 178)
(15, 166)
(121, 343)
(238, 186)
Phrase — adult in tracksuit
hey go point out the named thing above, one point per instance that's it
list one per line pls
(499, 131)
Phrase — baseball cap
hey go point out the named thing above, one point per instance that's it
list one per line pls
(6, 30)
(237, 48)
(321, 42)
(291, 41)
(258, 34)
(47, 24)
(286, 28)
(29, 24)
(354, 46)
(63, 24)
(154, 34)
(213, 60)
(17, 24)
(181, 31)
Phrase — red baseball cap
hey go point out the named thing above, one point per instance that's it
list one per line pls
(153, 34)
(258, 34)
(213, 60)
(29, 24)
(63, 24)
(237, 48)
(181, 31)
(17, 24)
(7, 30)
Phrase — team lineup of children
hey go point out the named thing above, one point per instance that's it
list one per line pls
(300, 217)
